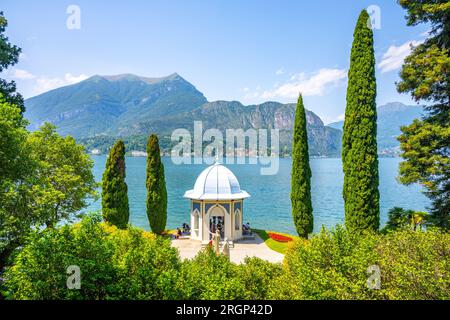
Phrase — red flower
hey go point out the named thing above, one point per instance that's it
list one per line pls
(279, 237)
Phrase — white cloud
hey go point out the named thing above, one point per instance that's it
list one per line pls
(312, 84)
(44, 83)
(279, 72)
(394, 56)
(21, 74)
(327, 120)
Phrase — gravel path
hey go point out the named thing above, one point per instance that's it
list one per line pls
(249, 248)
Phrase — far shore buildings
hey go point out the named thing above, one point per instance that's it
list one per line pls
(217, 203)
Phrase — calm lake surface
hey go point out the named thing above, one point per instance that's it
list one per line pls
(269, 206)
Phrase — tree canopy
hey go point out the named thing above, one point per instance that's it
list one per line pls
(9, 56)
(156, 187)
(425, 144)
(115, 206)
(359, 141)
(302, 210)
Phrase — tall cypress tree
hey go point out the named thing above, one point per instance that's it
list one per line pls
(302, 211)
(156, 187)
(359, 142)
(114, 190)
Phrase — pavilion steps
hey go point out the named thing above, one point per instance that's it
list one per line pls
(248, 237)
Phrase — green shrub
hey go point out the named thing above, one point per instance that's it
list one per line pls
(114, 264)
(415, 265)
(257, 276)
(334, 265)
(134, 264)
(211, 277)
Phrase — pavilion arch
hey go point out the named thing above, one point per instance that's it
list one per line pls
(237, 220)
(195, 226)
(217, 210)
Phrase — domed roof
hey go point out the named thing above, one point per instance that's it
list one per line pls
(216, 183)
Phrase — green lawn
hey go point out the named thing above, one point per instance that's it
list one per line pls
(272, 244)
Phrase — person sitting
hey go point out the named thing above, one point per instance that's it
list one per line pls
(178, 234)
(246, 228)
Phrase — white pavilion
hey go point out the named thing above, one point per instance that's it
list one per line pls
(217, 203)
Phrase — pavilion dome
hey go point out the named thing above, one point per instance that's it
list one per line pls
(216, 183)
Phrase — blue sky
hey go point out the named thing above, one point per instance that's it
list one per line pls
(251, 51)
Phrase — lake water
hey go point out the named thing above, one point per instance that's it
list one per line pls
(269, 206)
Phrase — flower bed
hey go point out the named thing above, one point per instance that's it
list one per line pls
(279, 237)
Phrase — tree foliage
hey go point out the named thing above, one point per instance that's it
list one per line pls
(302, 211)
(399, 218)
(425, 144)
(425, 148)
(9, 56)
(134, 264)
(114, 264)
(115, 206)
(17, 176)
(156, 187)
(65, 179)
(45, 178)
(334, 265)
(359, 142)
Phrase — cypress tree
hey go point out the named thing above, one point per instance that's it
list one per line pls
(156, 187)
(114, 190)
(302, 211)
(359, 142)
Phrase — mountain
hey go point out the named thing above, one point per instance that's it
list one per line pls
(99, 109)
(96, 104)
(391, 117)
(222, 115)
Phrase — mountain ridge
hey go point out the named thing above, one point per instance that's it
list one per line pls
(105, 107)
(391, 116)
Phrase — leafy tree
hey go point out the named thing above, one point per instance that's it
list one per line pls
(9, 56)
(65, 179)
(17, 175)
(302, 210)
(44, 178)
(426, 76)
(114, 191)
(359, 143)
(156, 187)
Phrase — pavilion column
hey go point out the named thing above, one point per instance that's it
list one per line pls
(229, 225)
